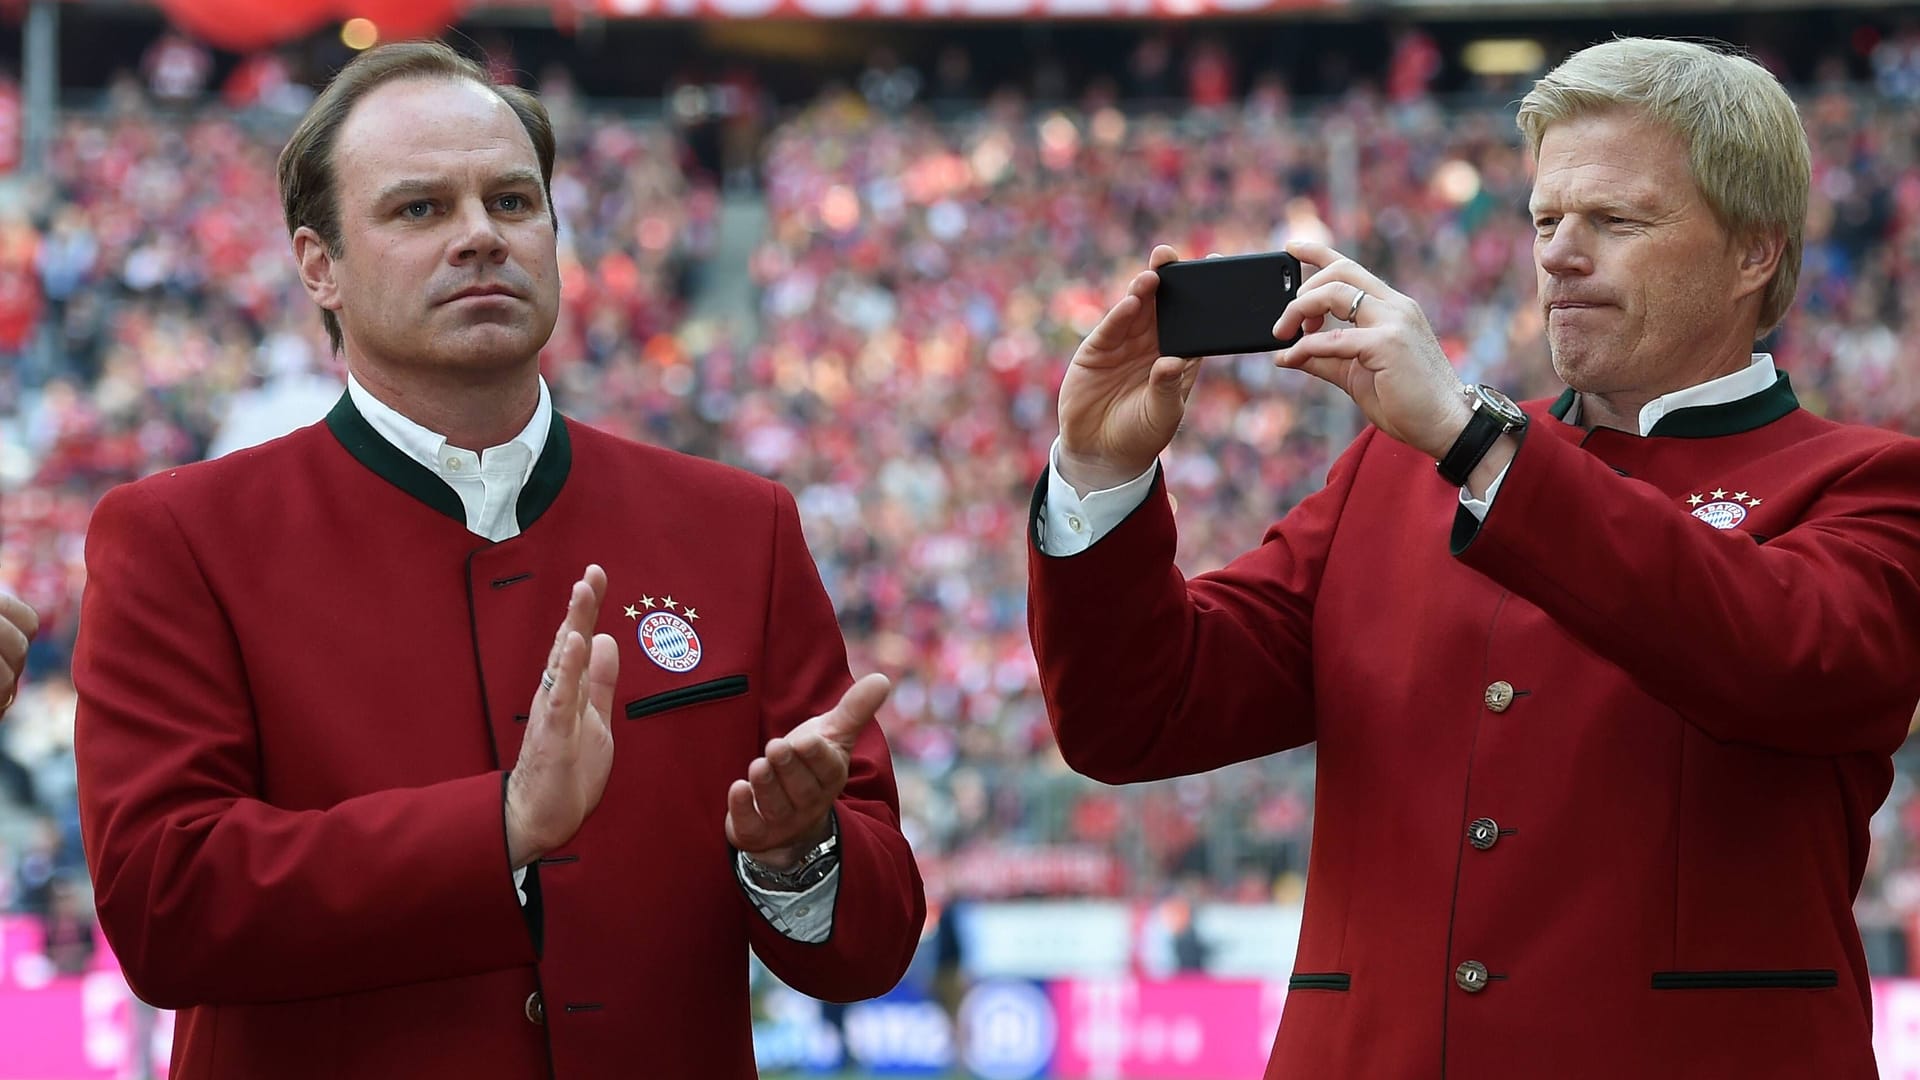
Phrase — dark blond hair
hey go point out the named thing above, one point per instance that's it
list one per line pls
(1745, 146)
(307, 196)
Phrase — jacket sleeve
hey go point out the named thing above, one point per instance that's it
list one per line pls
(880, 906)
(1149, 675)
(1805, 643)
(210, 894)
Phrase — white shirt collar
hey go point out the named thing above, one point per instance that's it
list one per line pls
(488, 483)
(1748, 381)
(428, 447)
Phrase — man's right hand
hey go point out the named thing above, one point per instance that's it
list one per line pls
(1121, 401)
(18, 623)
(568, 749)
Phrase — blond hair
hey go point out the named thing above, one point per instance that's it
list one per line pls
(1745, 146)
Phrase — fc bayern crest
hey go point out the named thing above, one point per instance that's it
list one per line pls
(1726, 510)
(670, 641)
(1721, 515)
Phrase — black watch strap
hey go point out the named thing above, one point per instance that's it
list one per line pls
(1483, 429)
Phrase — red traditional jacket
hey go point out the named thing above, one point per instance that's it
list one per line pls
(1594, 775)
(300, 680)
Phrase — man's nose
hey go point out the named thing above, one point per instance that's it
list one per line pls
(1567, 251)
(479, 237)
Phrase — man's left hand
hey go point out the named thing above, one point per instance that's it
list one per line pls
(780, 809)
(1387, 360)
(18, 624)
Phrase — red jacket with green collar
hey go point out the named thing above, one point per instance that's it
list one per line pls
(300, 680)
(1594, 776)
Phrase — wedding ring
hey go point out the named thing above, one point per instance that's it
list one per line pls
(546, 681)
(1358, 296)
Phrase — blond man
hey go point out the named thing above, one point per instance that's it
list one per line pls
(1605, 688)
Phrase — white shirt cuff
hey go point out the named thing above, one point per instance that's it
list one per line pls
(803, 916)
(520, 885)
(1070, 524)
(1479, 507)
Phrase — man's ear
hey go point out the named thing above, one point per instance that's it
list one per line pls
(1760, 255)
(316, 268)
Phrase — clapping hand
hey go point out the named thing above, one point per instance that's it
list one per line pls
(780, 809)
(18, 624)
(567, 753)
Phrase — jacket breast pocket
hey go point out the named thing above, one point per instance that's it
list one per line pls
(727, 686)
(1320, 980)
(1791, 979)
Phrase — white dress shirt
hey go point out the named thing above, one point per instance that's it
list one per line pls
(1070, 523)
(489, 484)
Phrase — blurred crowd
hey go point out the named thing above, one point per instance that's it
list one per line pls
(918, 289)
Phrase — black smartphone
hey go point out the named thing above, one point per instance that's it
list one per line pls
(1218, 307)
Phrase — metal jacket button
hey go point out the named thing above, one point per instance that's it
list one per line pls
(1483, 833)
(1471, 976)
(536, 1011)
(1499, 696)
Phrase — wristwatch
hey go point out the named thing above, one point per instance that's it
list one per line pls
(812, 867)
(1494, 414)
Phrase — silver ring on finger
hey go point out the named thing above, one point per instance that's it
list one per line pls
(1358, 295)
(547, 682)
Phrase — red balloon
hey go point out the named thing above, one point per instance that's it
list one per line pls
(246, 25)
(399, 20)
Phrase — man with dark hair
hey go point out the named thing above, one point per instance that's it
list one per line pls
(309, 197)
(350, 802)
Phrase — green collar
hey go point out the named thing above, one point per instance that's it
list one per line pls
(1558, 410)
(392, 465)
(1711, 421)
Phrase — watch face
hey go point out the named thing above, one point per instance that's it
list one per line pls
(1500, 405)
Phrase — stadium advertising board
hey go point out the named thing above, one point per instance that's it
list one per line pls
(67, 1027)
